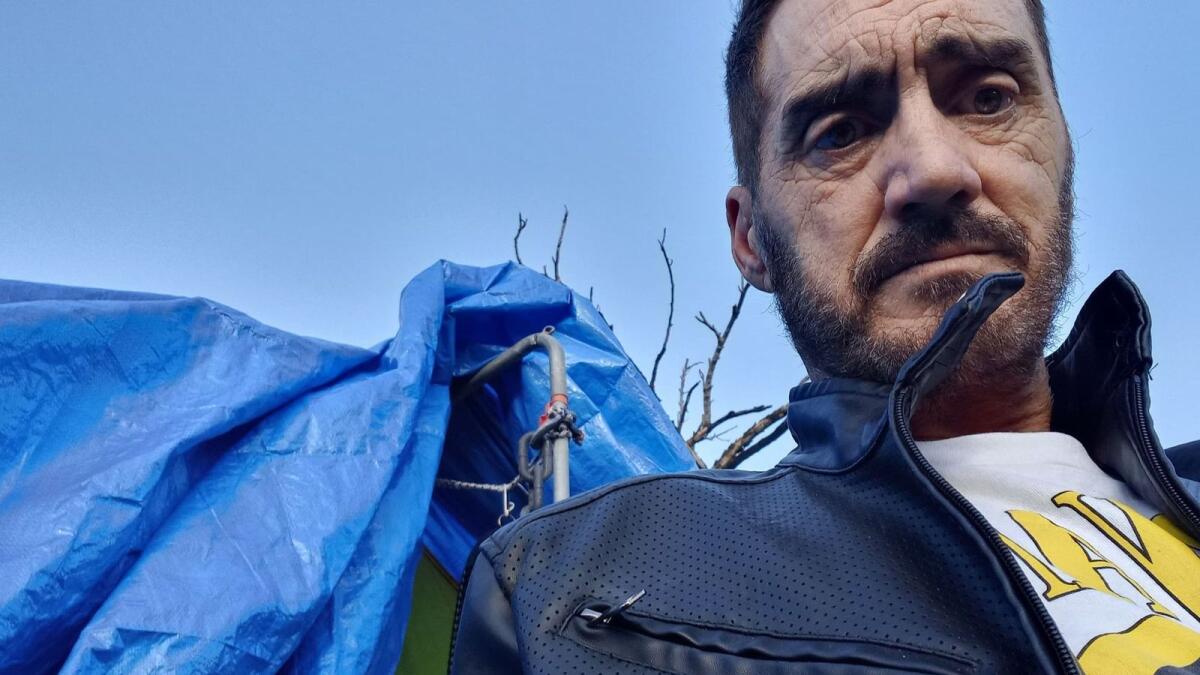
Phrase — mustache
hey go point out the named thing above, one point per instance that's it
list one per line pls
(922, 229)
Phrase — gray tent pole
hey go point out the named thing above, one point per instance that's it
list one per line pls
(558, 394)
(562, 469)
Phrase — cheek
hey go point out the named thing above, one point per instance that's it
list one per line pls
(1023, 168)
(1023, 189)
(833, 222)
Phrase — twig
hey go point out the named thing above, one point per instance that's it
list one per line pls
(704, 429)
(521, 223)
(685, 399)
(558, 248)
(734, 414)
(600, 311)
(720, 435)
(662, 246)
(708, 324)
(737, 451)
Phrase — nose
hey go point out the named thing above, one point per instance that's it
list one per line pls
(929, 164)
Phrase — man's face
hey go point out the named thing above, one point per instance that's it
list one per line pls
(908, 148)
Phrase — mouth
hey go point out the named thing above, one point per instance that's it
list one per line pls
(942, 258)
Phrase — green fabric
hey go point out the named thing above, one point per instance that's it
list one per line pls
(427, 642)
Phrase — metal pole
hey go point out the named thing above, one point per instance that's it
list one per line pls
(558, 395)
(544, 339)
(562, 469)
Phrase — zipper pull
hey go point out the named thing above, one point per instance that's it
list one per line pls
(595, 617)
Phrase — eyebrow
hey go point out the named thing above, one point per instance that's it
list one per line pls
(1007, 53)
(869, 89)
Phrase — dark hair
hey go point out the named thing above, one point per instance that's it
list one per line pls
(746, 100)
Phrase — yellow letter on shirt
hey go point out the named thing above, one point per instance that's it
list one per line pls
(1172, 564)
(1077, 557)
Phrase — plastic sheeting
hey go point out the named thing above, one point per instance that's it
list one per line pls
(183, 489)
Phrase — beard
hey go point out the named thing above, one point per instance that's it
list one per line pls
(838, 339)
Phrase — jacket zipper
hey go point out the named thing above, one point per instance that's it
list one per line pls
(1150, 454)
(1065, 658)
(458, 607)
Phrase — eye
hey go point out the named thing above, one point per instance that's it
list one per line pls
(990, 95)
(990, 101)
(839, 133)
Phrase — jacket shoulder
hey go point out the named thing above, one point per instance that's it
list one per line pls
(621, 500)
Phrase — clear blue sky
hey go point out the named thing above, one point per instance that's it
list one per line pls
(302, 161)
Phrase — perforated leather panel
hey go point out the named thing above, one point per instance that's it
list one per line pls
(867, 556)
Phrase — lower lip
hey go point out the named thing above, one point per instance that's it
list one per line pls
(955, 263)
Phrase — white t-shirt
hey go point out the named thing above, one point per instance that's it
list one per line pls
(1121, 581)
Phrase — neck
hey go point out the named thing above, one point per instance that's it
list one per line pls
(966, 404)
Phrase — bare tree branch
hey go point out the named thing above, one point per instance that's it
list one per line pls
(521, 223)
(558, 248)
(780, 429)
(697, 458)
(734, 414)
(685, 399)
(738, 450)
(708, 324)
(705, 427)
(662, 246)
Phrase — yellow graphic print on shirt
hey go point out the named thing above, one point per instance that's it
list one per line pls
(1161, 630)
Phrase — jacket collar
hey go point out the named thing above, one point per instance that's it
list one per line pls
(836, 421)
(1109, 343)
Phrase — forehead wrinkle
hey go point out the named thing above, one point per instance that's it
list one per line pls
(836, 64)
(838, 12)
(865, 32)
(861, 21)
(978, 25)
(789, 38)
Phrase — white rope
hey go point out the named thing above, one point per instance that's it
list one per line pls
(468, 485)
(506, 506)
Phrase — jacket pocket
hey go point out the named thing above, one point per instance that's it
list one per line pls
(692, 649)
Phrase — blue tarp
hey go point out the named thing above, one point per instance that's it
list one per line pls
(184, 489)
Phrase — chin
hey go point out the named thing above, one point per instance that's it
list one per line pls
(920, 304)
(892, 340)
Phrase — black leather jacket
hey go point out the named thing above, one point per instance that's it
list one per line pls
(851, 556)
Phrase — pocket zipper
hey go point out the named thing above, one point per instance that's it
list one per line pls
(674, 646)
(595, 616)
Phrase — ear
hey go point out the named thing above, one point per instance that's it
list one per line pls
(744, 241)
